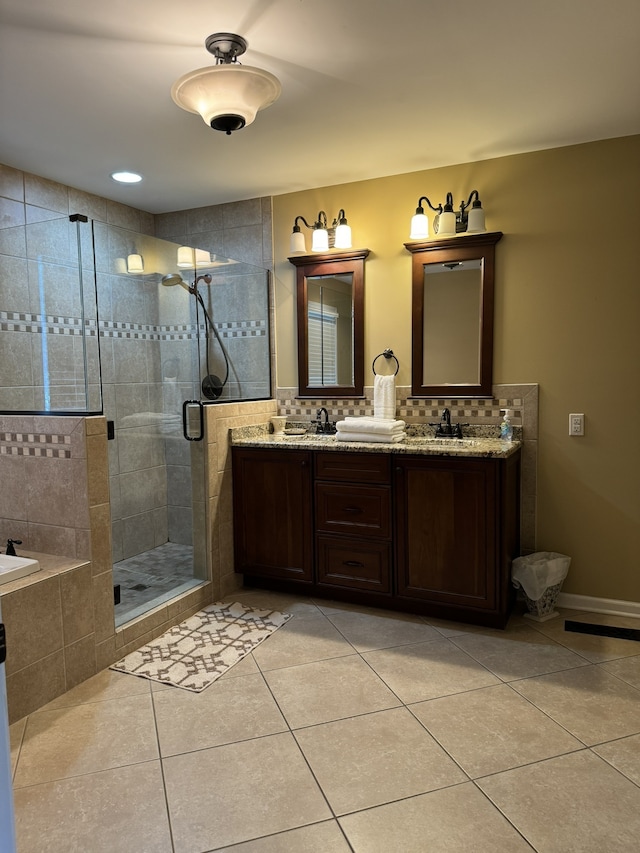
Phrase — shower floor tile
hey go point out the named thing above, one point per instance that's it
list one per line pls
(151, 578)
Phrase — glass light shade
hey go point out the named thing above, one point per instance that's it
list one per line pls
(203, 259)
(185, 257)
(297, 244)
(221, 90)
(447, 224)
(320, 240)
(343, 237)
(475, 221)
(135, 265)
(419, 227)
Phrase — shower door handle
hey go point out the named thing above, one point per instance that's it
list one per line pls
(185, 420)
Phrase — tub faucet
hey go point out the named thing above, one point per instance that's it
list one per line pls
(10, 550)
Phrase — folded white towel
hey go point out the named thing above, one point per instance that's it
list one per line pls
(372, 425)
(370, 437)
(384, 396)
(369, 419)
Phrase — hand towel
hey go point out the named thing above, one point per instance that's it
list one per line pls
(370, 437)
(380, 426)
(384, 396)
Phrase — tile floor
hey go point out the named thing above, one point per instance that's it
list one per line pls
(349, 730)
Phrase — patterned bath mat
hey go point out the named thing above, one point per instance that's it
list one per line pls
(199, 650)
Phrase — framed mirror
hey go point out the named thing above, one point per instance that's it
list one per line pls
(330, 310)
(452, 316)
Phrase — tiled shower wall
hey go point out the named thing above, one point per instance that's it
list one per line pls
(521, 399)
(240, 230)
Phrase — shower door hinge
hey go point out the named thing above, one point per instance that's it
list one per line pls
(116, 593)
(3, 644)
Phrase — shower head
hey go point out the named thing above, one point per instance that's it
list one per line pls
(173, 278)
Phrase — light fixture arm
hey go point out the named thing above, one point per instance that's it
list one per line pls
(476, 203)
(420, 208)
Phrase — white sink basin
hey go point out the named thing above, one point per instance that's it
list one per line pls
(12, 568)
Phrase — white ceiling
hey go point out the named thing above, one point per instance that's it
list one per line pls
(369, 88)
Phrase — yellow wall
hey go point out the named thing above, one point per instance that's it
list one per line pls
(567, 316)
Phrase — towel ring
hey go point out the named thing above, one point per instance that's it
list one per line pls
(388, 353)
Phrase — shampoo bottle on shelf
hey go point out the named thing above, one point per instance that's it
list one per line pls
(506, 428)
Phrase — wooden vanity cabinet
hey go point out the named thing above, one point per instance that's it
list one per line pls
(456, 526)
(353, 521)
(426, 534)
(272, 514)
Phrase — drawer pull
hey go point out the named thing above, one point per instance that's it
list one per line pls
(354, 509)
(354, 563)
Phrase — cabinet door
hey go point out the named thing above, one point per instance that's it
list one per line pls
(272, 521)
(445, 524)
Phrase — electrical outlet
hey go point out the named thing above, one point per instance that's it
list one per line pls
(576, 424)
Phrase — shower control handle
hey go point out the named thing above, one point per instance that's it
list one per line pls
(185, 420)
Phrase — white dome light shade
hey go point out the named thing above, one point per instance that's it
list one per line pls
(226, 96)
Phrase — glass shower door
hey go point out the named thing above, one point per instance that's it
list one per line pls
(149, 353)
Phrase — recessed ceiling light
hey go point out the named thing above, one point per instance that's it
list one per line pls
(126, 177)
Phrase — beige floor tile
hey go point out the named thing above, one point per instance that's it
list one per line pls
(86, 738)
(624, 755)
(227, 711)
(628, 669)
(302, 639)
(576, 802)
(428, 670)
(367, 631)
(453, 820)
(373, 759)
(114, 811)
(324, 837)
(106, 684)
(328, 690)
(238, 792)
(522, 653)
(591, 646)
(269, 600)
(493, 729)
(16, 734)
(591, 704)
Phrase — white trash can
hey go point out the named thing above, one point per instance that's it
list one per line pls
(541, 576)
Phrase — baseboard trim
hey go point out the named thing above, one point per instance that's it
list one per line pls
(591, 604)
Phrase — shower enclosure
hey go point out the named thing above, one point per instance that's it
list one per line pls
(89, 327)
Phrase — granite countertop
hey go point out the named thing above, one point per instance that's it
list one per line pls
(481, 446)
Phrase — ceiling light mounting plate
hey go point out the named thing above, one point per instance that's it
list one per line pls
(226, 47)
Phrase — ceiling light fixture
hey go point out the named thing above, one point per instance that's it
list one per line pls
(227, 95)
(338, 236)
(448, 223)
(126, 177)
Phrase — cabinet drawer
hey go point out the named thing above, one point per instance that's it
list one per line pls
(354, 564)
(356, 467)
(355, 510)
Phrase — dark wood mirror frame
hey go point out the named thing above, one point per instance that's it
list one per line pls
(464, 248)
(330, 263)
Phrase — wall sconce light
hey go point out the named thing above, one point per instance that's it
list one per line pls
(447, 222)
(189, 258)
(338, 236)
(227, 95)
(135, 265)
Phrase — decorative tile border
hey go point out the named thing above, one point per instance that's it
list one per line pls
(21, 321)
(35, 444)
